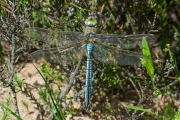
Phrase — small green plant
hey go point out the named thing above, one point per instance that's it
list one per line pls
(7, 112)
(168, 113)
(177, 115)
(172, 59)
(109, 79)
(49, 73)
(25, 104)
(110, 108)
(48, 91)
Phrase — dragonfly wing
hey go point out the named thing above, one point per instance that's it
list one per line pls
(124, 41)
(60, 56)
(115, 56)
(55, 38)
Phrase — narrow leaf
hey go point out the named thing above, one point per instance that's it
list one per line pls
(14, 114)
(147, 60)
(139, 108)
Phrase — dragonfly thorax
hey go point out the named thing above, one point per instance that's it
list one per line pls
(90, 29)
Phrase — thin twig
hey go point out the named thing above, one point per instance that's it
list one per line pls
(68, 86)
(171, 84)
(140, 98)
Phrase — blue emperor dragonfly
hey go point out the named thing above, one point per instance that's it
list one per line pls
(110, 49)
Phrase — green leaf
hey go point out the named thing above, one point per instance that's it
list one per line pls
(139, 108)
(60, 113)
(14, 114)
(177, 116)
(25, 104)
(147, 60)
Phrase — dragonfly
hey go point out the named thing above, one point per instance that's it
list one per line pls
(112, 49)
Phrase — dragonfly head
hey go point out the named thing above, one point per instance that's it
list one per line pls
(91, 21)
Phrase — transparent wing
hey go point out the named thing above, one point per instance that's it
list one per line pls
(114, 56)
(124, 41)
(60, 56)
(119, 49)
(57, 38)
